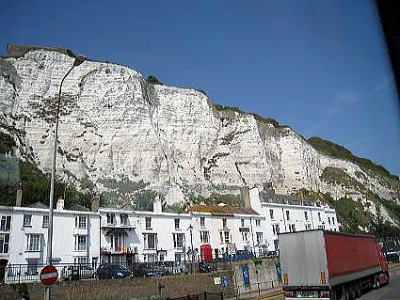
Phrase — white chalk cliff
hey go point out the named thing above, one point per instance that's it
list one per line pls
(115, 125)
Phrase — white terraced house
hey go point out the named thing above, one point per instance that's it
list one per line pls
(147, 236)
(76, 238)
(124, 236)
(288, 214)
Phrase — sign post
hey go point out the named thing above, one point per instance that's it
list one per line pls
(48, 275)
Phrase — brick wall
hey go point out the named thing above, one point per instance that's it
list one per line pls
(174, 286)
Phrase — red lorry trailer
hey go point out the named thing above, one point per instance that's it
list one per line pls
(319, 264)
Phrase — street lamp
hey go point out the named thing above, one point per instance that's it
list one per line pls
(191, 245)
(78, 60)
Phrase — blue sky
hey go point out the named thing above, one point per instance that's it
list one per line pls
(319, 66)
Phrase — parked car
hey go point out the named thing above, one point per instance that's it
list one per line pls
(204, 267)
(240, 254)
(76, 272)
(139, 269)
(112, 271)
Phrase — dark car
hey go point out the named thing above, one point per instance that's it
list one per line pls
(140, 269)
(112, 271)
(204, 267)
(244, 254)
(77, 272)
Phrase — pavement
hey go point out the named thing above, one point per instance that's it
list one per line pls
(391, 291)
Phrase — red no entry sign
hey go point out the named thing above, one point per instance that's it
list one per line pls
(48, 275)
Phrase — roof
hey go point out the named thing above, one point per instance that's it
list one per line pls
(77, 207)
(287, 199)
(38, 205)
(225, 210)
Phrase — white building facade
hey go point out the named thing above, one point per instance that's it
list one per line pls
(288, 214)
(147, 236)
(124, 236)
(75, 239)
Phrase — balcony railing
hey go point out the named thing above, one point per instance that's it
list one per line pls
(118, 225)
(117, 250)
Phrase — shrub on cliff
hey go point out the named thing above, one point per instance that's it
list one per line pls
(153, 80)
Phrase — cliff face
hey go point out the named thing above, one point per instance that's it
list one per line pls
(115, 127)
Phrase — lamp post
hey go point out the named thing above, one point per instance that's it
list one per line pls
(191, 249)
(78, 60)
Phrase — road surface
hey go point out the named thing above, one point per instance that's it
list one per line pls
(389, 292)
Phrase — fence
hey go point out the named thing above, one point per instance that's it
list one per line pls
(203, 296)
(258, 289)
(20, 273)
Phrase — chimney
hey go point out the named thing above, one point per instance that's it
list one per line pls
(95, 204)
(60, 204)
(18, 202)
(245, 196)
(157, 207)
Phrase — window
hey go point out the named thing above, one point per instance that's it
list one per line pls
(124, 219)
(150, 241)
(202, 221)
(204, 237)
(45, 223)
(245, 236)
(259, 237)
(80, 242)
(116, 240)
(223, 223)
(5, 223)
(258, 222)
(319, 216)
(329, 220)
(32, 267)
(242, 222)
(178, 259)
(176, 223)
(321, 226)
(333, 220)
(80, 221)
(275, 228)
(221, 236)
(4, 240)
(81, 260)
(308, 226)
(33, 242)
(148, 223)
(110, 218)
(306, 215)
(178, 240)
(271, 214)
(292, 228)
(27, 220)
(287, 215)
(226, 237)
(150, 257)
(162, 256)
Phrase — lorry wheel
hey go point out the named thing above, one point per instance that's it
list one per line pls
(377, 283)
(358, 290)
(345, 294)
(352, 292)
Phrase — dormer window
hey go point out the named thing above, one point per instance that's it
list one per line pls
(110, 218)
(124, 219)
(80, 221)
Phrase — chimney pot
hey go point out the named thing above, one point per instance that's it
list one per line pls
(60, 204)
(18, 202)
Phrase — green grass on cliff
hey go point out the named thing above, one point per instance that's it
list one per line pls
(337, 151)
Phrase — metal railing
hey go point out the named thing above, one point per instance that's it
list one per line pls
(258, 289)
(23, 273)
